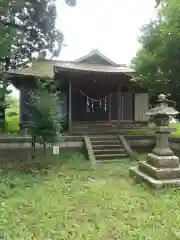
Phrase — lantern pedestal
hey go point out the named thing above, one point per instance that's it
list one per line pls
(161, 168)
(158, 171)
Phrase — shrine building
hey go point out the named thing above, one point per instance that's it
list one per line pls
(97, 93)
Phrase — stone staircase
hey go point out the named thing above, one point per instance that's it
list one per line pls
(107, 148)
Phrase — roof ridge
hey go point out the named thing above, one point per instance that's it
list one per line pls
(93, 52)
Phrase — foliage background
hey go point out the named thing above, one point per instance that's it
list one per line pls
(12, 115)
(157, 63)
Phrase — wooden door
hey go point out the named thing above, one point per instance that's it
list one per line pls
(141, 107)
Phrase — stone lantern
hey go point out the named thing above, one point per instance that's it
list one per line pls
(161, 167)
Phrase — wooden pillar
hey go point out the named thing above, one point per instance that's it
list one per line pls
(122, 107)
(20, 108)
(70, 108)
(24, 98)
(110, 106)
(119, 102)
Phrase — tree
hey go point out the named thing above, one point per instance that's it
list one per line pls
(157, 62)
(27, 27)
(44, 113)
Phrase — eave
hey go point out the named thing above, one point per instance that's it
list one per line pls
(84, 67)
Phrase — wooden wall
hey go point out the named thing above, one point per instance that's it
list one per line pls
(133, 107)
(79, 107)
(133, 104)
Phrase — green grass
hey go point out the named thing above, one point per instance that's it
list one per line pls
(12, 123)
(71, 201)
(12, 116)
(175, 133)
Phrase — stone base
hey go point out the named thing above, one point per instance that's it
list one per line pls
(140, 176)
(158, 171)
(163, 161)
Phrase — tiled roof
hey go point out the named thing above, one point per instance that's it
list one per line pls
(45, 68)
(91, 67)
(38, 68)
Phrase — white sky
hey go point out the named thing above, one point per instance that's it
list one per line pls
(112, 26)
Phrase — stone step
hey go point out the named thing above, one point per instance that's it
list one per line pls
(109, 136)
(110, 156)
(104, 125)
(89, 132)
(109, 161)
(94, 133)
(159, 173)
(108, 151)
(140, 176)
(95, 130)
(91, 126)
(104, 139)
(108, 146)
(104, 142)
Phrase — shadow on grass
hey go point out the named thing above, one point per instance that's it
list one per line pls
(17, 159)
(73, 165)
(23, 173)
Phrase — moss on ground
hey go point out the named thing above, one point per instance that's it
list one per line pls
(68, 200)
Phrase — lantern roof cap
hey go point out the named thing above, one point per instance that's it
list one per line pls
(163, 108)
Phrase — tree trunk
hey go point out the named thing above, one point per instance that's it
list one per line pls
(44, 146)
(33, 144)
(2, 119)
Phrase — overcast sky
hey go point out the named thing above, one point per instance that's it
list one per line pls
(112, 26)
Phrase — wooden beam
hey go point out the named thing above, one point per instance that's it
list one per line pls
(70, 108)
(119, 102)
(110, 107)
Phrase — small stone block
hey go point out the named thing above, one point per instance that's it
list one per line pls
(163, 161)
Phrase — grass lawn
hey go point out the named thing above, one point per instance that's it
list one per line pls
(175, 133)
(71, 201)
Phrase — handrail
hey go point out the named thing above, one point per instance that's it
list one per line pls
(90, 151)
(126, 145)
